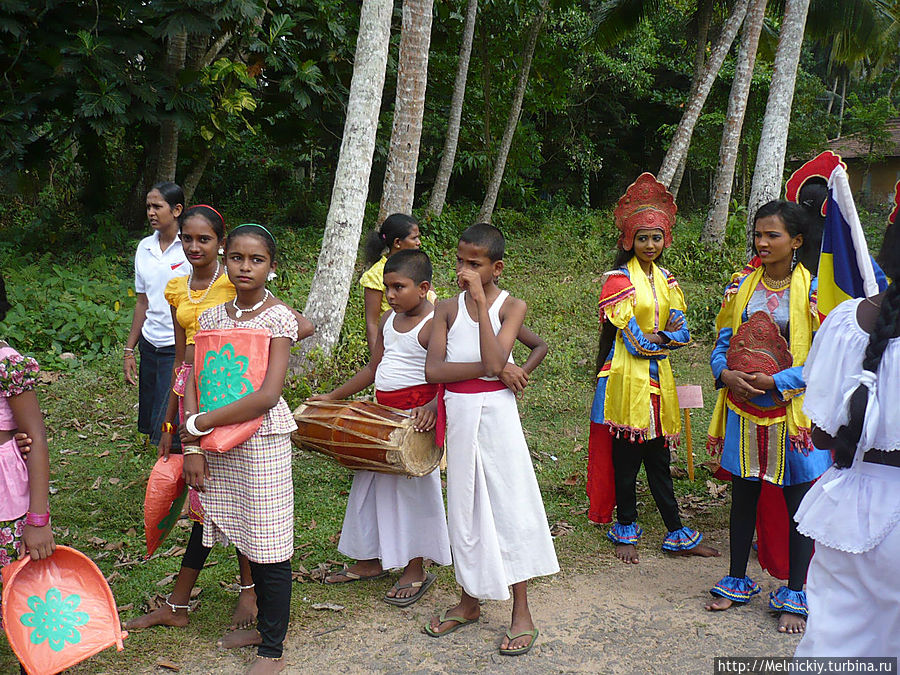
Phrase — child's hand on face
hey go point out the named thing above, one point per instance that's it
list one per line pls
(24, 443)
(469, 280)
(514, 377)
(423, 419)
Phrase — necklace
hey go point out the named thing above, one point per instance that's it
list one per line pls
(238, 312)
(206, 292)
(776, 285)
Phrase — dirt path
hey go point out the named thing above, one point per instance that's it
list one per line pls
(647, 618)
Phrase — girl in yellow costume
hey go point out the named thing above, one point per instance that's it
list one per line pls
(635, 415)
(758, 424)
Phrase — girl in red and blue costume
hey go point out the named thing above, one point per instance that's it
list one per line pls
(635, 415)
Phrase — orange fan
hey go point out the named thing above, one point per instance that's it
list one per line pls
(229, 364)
(163, 500)
(58, 611)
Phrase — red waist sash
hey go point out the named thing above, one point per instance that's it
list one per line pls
(408, 397)
(473, 386)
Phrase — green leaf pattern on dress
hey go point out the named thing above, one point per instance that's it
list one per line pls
(54, 619)
(222, 379)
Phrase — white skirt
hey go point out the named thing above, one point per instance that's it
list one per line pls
(854, 600)
(498, 528)
(395, 519)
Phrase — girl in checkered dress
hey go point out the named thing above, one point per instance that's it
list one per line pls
(247, 492)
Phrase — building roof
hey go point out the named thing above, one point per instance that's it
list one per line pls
(853, 145)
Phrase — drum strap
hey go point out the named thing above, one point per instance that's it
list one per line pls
(474, 386)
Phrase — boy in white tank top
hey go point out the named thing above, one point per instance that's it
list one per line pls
(498, 528)
(392, 520)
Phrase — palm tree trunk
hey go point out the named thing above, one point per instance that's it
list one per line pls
(197, 170)
(486, 94)
(704, 18)
(843, 100)
(445, 170)
(399, 189)
(714, 228)
(832, 97)
(681, 141)
(176, 52)
(330, 288)
(767, 175)
(493, 188)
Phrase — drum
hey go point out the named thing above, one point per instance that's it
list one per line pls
(366, 435)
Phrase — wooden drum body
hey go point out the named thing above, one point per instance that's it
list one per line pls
(366, 435)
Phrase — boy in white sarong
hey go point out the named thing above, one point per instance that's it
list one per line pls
(498, 529)
(392, 520)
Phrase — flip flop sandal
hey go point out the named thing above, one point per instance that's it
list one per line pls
(352, 576)
(520, 650)
(406, 602)
(443, 617)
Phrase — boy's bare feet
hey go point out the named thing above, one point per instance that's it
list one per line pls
(161, 616)
(719, 604)
(701, 550)
(791, 623)
(362, 569)
(239, 638)
(627, 553)
(263, 666)
(244, 615)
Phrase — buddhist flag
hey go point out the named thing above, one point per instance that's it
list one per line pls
(846, 269)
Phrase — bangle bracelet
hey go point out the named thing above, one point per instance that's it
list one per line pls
(191, 425)
(168, 428)
(192, 450)
(37, 519)
(128, 356)
(130, 350)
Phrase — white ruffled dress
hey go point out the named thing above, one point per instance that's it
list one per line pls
(854, 600)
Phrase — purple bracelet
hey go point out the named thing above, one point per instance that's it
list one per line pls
(37, 519)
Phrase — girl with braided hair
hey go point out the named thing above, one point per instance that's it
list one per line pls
(853, 510)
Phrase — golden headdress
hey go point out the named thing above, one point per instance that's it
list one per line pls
(646, 205)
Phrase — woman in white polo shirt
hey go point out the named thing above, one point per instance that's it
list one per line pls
(159, 258)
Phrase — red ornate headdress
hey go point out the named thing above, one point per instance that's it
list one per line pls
(893, 217)
(820, 166)
(646, 205)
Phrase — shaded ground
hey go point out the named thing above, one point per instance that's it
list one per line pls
(647, 618)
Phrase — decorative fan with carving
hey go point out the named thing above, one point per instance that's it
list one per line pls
(758, 347)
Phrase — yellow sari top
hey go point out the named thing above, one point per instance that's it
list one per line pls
(374, 278)
(804, 322)
(188, 313)
(636, 368)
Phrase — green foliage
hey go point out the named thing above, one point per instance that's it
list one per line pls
(85, 310)
(869, 121)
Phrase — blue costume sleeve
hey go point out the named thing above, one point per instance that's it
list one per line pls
(638, 345)
(789, 382)
(680, 337)
(717, 359)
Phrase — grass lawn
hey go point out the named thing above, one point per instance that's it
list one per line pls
(100, 464)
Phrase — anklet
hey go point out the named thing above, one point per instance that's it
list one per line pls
(247, 588)
(175, 608)
(270, 658)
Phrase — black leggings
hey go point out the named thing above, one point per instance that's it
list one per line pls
(744, 498)
(273, 593)
(273, 603)
(627, 458)
(196, 553)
